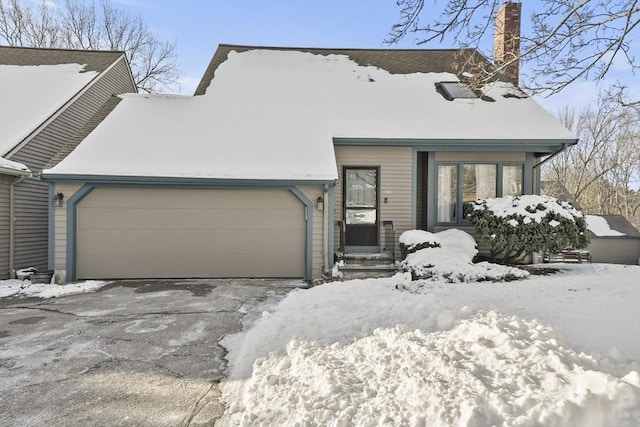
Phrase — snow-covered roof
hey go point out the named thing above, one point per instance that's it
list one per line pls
(9, 167)
(32, 93)
(271, 114)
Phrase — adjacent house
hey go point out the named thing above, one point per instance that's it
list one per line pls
(46, 97)
(286, 157)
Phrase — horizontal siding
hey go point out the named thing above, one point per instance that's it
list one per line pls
(32, 195)
(395, 183)
(488, 157)
(312, 192)
(31, 224)
(4, 227)
(60, 225)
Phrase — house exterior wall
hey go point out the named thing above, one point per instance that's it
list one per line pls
(615, 250)
(320, 228)
(5, 182)
(59, 251)
(32, 204)
(480, 157)
(395, 182)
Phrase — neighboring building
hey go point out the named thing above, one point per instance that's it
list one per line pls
(280, 149)
(47, 96)
(613, 240)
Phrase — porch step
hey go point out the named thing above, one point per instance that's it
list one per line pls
(366, 265)
(365, 259)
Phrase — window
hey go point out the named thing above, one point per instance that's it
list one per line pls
(459, 184)
(453, 90)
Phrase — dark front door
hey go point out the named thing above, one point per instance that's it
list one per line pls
(361, 206)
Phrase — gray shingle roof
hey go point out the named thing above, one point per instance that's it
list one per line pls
(95, 60)
(395, 61)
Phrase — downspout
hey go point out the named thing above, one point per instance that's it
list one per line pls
(12, 227)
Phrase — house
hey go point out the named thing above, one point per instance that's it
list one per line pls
(47, 96)
(287, 156)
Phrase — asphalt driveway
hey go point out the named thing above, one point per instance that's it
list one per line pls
(135, 353)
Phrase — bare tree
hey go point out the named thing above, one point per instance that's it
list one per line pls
(569, 39)
(76, 24)
(602, 173)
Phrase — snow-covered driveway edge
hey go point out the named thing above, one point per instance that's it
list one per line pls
(24, 288)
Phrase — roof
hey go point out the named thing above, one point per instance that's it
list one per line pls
(611, 226)
(8, 167)
(395, 61)
(273, 114)
(52, 76)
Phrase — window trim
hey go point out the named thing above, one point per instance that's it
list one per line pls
(459, 219)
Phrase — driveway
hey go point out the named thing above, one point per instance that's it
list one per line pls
(135, 353)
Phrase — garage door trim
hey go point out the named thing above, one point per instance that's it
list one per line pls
(72, 217)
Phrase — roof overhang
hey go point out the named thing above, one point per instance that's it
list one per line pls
(164, 181)
(539, 146)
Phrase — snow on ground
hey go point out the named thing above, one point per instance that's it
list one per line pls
(556, 350)
(24, 288)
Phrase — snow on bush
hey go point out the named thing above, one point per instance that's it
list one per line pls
(451, 260)
(414, 240)
(513, 226)
(490, 369)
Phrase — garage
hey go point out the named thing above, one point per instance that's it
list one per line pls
(175, 233)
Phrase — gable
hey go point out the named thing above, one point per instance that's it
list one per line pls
(50, 76)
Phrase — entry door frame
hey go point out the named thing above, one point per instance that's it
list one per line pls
(371, 242)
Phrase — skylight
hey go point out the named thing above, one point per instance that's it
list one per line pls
(453, 90)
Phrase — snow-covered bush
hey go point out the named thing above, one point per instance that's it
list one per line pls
(413, 240)
(513, 226)
(451, 260)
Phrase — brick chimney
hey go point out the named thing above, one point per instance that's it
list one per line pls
(506, 43)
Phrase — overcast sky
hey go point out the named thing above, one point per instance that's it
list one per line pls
(198, 26)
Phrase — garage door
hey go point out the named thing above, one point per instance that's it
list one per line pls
(175, 233)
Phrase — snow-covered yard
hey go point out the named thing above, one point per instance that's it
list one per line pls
(555, 350)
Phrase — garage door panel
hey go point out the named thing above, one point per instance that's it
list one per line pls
(160, 199)
(184, 218)
(145, 233)
(180, 266)
(190, 241)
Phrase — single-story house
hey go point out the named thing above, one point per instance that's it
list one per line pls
(47, 96)
(287, 156)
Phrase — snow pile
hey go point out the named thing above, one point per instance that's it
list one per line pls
(600, 227)
(452, 261)
(528, 208)
(24, 288)
(552, 350)
(490, 369)
(20, 85)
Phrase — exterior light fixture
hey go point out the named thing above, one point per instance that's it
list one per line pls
(320, 203)
(58, 200)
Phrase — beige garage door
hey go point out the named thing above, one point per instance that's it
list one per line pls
(175, 233)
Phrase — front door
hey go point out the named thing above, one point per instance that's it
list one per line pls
(361, 206)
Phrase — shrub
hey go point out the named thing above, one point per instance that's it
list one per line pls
(413, 240)
(513, 226)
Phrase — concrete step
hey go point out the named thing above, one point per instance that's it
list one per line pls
(365, 259)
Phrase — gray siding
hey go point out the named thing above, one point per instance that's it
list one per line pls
(32, 195)
(4, 226)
